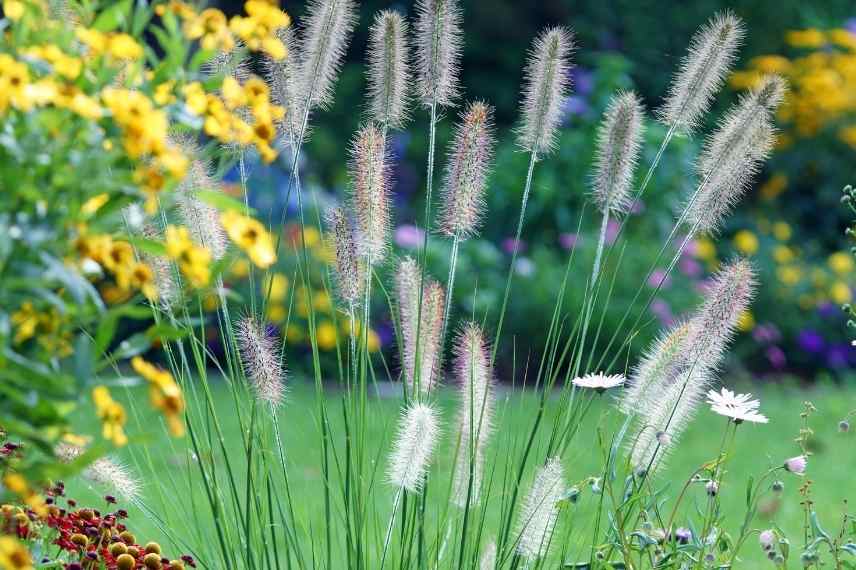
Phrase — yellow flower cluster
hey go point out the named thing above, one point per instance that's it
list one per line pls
(258, 29)
(224, 117)
(164, 393)
(193, 260)
(116, 45)
(45, 326)
(118, 258)
(16, 483)
(251, 236)
(822, 81)
(13, 554)
(112, 415)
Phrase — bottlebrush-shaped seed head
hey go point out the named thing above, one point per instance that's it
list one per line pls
(713, 325)
(370, 183)
(439, 40)
(168, 291)
(346, 269)
(488, 558)
(656, 364)
(283, 77)
(260, 356)
(663, 419)
(105, 472)
(413, 448)
(466, 176)
(618, 141)
(712, 52)
(201, 218)
(387, 69)
(541, 511)
(474, 373)
(322, 45)
(547, 82)
(232, 63)
(421, 326)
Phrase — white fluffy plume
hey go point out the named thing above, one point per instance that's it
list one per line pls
(474, 373)
(547, 82)
(541, 511)
(413, 447)
(438, 51)
(421, 325)
(712, 52)
(618, 141)
(106, 473)
(260, 356)
(369, 173)
(387, 71)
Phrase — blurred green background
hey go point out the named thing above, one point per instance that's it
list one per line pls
(791, 222)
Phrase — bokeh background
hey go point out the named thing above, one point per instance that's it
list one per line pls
(791, 222)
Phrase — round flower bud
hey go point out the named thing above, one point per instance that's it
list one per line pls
(843, 426)
(778, 486)
(127, 537)
(153, 547)
(152, 561)
(712, 488)
(134, 551)
(118, 548)
(79, 539)
(125, 562)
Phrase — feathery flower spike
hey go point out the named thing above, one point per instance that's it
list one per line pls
(283, 76)
(346, 269)
(540, 511)
(261, 359)
(466, 176)
(105, 472)
(408, 279)
(546, 85)
(618, 141)
(369, 173)
(655, 365)
(438, 51)
(712, 52)
(322, 45)
(387, 69)
(472, 367)
(414, 445)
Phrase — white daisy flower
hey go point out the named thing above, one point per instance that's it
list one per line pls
(599, 381)
(739, 407)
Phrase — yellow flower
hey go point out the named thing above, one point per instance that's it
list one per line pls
(13, 554)
(771, 64)
(293, 334)
(13, 9)
(94, 204)
(194, 261)
(844, 38)
(782, 231)
(789, 274)
(705, 249)
(841, 262)
(25, 319)
(123, 46)
(112, 416)
(746, 321)
(240, 268)
(277, 284)
(774, 186)
(783, 254)
(840, 292)
(321, 302)
(373, 341)
(746, 242)
(810, 38)
(251, 236)
(163, 392)
(326, 336)
(16, 483)
(276, 312)
(211, 29)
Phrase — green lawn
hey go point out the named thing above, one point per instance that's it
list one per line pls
(164, 466)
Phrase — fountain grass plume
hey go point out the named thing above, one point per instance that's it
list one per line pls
(369, 173)
(283, 77)
(733, 154)
(162, 271)
(347, 271)
(421, 326)
(619, 139)
(547, 82)
(475, 376)
(541, 511)
(388, 72)
(471, 152)
(438, 43)
(413, 447)
(260, 356)
(322, 43)
(656, 363)
(711, 54)
(105, 473)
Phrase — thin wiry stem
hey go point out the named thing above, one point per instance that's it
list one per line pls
(450, 283)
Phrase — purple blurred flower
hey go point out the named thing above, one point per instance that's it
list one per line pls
(409, 236)
(660, 279)
(828, 310)
(691, 248)
(663, 312)
(638, 207)
(583, 80)
(850, 25)
(569, 240)
(766, 333)
(838, 356)
(575, 105)
(612, 227)
(690, 267)
(810, 341)
(776, 356)
(510, 245)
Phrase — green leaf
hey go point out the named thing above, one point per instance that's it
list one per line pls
(112, 17)
(222, 201)
(149, 246)
(815, 525)
(164, 332)
(749, 484)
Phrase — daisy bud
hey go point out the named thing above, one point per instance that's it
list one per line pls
(844, 426)
(796, 465)
(778, 486)
(712, 488)
(767, 539)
